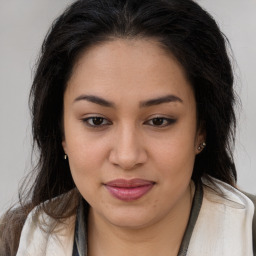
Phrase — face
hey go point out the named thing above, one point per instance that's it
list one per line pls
(130, 132)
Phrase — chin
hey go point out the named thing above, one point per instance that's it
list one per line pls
(129, 219)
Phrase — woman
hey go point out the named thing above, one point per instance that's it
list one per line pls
(132, 107)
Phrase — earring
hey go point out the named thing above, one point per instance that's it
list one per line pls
(65, 156)
(201, 146)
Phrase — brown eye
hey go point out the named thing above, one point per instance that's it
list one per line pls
(160, 122)
(96, 121)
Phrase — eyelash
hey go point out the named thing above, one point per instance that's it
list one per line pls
(94, 118)
(167, 121)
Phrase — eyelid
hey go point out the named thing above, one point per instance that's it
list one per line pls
(169, 121)
(86, 121)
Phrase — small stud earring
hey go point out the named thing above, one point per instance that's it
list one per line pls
(201, 146)
(65, 157)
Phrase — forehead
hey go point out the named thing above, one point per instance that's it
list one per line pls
(121, 67)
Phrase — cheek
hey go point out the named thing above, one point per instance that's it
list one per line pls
(84, 166)
(175, 154)
(83, 147)
(176, 161)
(84, 157)
(175, 167)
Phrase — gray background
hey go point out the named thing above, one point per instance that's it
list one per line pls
(23, 24)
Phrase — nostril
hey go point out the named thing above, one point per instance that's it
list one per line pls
(127, 151)
(128, 160)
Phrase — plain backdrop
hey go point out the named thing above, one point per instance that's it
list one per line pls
(23, 25)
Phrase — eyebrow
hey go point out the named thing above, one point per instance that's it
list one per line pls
(96, 100)
(160, 100)
(147, 103)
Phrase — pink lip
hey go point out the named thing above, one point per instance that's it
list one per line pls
(129, 190)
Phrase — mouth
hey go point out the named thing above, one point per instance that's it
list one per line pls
(129, 190)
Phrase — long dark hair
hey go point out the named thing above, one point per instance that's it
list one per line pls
(181, 27)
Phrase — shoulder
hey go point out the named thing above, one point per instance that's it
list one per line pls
(44, 236)
(11, 223)
(224, 222)
(224, 194)
(253, 199)
(235, 208)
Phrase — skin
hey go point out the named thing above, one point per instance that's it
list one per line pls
(129, 143)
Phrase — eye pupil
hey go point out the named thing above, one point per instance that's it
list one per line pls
(158, 121)
(97, 120)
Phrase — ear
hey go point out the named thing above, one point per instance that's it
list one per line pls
(64, 145)
(200, 139)
(63, 142)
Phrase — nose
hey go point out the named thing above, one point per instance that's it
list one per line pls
(128, 150)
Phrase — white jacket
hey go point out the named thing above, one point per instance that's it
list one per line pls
(223, 228)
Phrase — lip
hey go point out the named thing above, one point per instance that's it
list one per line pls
(129, 190)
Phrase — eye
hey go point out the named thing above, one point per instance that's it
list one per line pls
(160, 121)
(96, 121)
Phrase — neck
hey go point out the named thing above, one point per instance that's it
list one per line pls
(161, 238)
